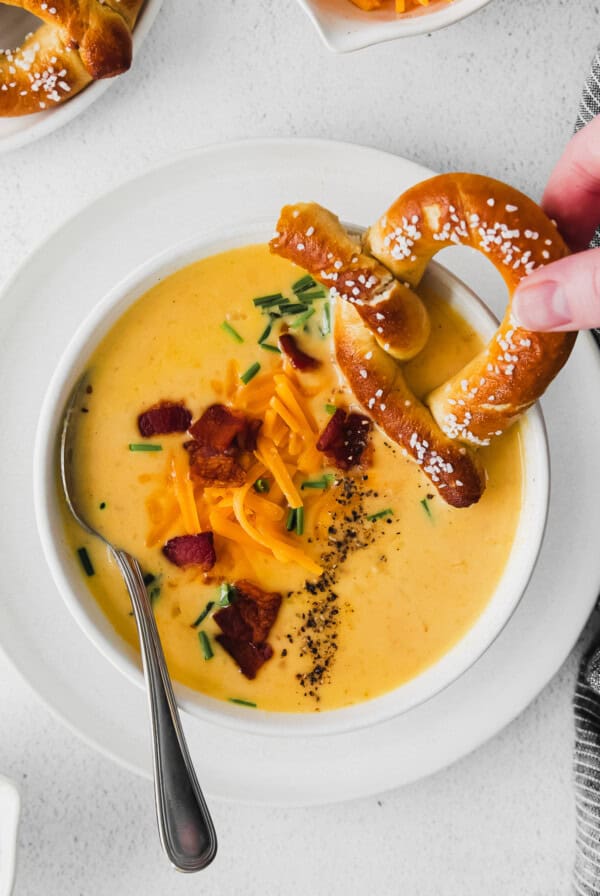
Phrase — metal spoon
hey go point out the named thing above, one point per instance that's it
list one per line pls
(186, 830)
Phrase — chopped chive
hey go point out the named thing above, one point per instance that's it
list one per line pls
(292, 308)
(303, 283)
(300, 521)
(301, 320)
(203, 614)
(425, 505)
(323, 482)
(144, 446)
(330, 408)
(241, 702)
(102, 505)
(268, 301)
(270, 348)
(261, 486)
(312, 295)
(154, 592)
(226, 594)
(380, 515)
(205, 645)
(250, 373)
(290, 522)
(326, 325)
(230, 330)
(85, 561)
(266, 332)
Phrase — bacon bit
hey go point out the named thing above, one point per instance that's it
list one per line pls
(192, 550)
(345, 438)
(299, 359)
(219, 435)
(252, 614)
(246, 624)
(248, 438)
(225, 431)
(209, 469)
(249, 657)
(164, 418)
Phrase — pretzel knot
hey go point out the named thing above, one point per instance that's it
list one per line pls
(380, 320)
(79, 41)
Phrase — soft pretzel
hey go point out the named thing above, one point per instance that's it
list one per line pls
(516, 366)
(496, 387)
(307, 234)
(79, 41)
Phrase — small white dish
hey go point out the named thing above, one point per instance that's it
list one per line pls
(38, 633)
(344, 27)
(66, 571)
(10, 808)
(24, 129)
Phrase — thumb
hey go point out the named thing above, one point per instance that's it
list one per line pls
(564, 295)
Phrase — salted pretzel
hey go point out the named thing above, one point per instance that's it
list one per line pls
(497, 386)
(79, 41)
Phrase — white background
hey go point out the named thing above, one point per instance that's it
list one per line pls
(497, 94)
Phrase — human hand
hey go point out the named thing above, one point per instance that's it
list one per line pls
(565, 295)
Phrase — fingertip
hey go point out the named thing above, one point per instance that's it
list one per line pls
(542, 306)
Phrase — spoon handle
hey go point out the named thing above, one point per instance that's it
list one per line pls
(186, 830)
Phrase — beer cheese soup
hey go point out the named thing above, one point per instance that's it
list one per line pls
(295, 559)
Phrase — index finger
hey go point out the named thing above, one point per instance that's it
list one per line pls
(572, 196)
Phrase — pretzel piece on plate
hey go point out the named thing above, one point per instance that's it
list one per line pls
(79, 41)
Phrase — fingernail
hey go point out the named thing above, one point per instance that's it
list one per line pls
(541, 306)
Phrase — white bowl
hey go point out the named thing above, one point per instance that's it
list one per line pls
(23, 129)
(344, 27)
(67, 574)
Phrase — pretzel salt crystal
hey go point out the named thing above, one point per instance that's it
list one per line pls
(496, 387)
(79, 41)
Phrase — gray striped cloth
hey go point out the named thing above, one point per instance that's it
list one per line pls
(586, 702)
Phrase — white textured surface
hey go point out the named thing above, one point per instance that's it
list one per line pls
(498, 94)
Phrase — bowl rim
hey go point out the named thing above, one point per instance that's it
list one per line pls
(83, 606)
(367, 33)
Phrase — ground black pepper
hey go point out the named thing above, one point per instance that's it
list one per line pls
(317, 630)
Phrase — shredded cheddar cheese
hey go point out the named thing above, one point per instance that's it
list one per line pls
(268, 453)
(286, 449)
(400, 6)
(184, 492)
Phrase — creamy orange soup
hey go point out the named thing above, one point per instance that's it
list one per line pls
(404, 575)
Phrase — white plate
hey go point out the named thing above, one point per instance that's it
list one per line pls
(344, 27)
(24, 129)
(10, 807)
(40, 309)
